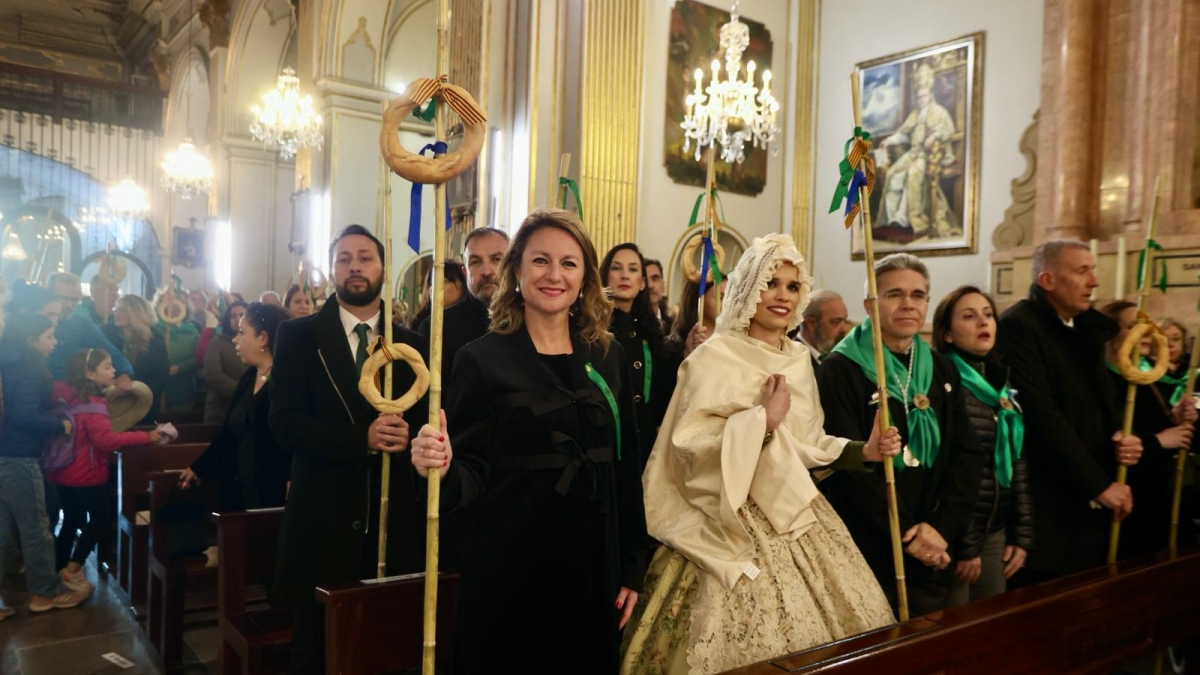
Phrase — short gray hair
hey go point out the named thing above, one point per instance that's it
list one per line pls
(896, 262)
(816, 303)
(1047, 253)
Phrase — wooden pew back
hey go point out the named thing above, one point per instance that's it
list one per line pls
(375, 627)
(247, 542)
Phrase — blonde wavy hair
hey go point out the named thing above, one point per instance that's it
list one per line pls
(590, 314)
(142, 320)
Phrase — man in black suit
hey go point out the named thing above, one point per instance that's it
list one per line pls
(331, 521)
(1053, 343)
(825, 323)
(467, 320)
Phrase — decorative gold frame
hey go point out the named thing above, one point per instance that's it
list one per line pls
(975, 44)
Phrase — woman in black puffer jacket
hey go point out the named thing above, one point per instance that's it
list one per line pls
(1001, 531)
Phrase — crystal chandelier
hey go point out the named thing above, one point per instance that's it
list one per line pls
(287, 119)
(187, 172)
(733, 111)
(127, 198)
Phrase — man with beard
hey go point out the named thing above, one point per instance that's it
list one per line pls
(658, 293)
(330, 523)
(467, 319)
(825, 324)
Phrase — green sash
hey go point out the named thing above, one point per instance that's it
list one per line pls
(924, 435)
(598, 380)
(1010, 425)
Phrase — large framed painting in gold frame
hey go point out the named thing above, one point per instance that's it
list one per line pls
(923, 109)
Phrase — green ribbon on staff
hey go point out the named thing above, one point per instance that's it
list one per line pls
(1162, 278)
(574, 188)
(428, 113)
(696, 207)
(857, 148)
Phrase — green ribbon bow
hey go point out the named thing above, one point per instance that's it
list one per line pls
(696, 207)
(1010, 424)
(598, 380)
(924, 435)
(1162, 278)
(574, 188)
(857, 147)
(428, 113)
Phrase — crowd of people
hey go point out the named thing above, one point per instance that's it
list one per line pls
(651, 491)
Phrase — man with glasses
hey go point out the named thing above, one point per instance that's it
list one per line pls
(76, 331)
(938, 474)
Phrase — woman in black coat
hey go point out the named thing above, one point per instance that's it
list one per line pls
(135, 333)
(1001, 531)
(250, 468)
(634, 325)
(1164, 429)
(541, 415)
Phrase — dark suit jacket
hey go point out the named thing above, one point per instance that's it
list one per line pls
(1068, 399)
(463, 323)
(330, 523)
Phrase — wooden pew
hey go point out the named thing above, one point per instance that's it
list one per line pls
(1092, 622)
(253, 642)
(375, 626)
(133, 466)
(170, 578)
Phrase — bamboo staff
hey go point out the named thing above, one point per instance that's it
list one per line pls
(1181, 461)
(889, 471)
(710, 229)
(564, 167)
(385, 474)
(1131, 389)
(435, 363)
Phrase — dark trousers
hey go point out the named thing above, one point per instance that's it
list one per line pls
(84, 509)
(928, 590)
(308, 639)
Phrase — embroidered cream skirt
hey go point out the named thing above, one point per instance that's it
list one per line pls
(810, 591)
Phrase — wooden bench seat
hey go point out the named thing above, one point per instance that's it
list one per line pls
(134, 464)
(374, 627)
(253, 641)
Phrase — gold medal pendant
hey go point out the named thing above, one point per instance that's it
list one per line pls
(921, 401)
(1006, 403)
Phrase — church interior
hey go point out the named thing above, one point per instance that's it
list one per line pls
(220, 146)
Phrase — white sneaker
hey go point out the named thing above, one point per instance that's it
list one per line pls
(77, 582)
(60, 601)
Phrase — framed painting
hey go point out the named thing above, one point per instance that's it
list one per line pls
(189, 247)
(923, 109)
(694, 42)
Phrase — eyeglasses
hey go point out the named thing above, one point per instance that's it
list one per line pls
(918, 297)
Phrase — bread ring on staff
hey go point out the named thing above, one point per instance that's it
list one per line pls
(687, 261)
(112, 269)
(172, 311)
(1162, 354)
(377, 359)
(427, 170)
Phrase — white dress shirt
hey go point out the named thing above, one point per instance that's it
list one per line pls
(350, 322)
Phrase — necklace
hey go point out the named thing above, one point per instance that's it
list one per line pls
(907, 379)
(264, 374)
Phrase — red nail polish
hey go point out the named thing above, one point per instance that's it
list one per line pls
(441, 439)
(618, 604)
(445, 462)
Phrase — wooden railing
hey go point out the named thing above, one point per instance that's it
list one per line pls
(61, 97)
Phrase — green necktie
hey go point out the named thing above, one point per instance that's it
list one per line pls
(360, 353)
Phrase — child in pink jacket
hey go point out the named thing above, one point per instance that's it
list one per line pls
(82, 484)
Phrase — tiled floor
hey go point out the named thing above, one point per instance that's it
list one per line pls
(76, 640)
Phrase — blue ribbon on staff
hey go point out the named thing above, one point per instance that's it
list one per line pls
(414, 211)
(859, 180)
(708, 258)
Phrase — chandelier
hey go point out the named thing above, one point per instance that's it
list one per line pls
(733, 111)
(127, 198)
(187, 172)
(286, 119)
(13, 249)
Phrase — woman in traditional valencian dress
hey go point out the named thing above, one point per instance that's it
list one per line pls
(755, 562)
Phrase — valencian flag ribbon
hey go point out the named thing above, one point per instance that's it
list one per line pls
(574, 188)
(1162, 278)
(426, 88)
(414, 211)
(858, 149)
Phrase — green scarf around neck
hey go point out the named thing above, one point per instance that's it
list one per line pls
(1179, 383)
(924, 434)
(1010, 425)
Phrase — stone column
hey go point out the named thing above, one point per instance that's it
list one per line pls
(1066, 189)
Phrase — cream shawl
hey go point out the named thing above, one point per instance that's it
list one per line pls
(710, 458)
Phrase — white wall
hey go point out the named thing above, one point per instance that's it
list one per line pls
(664, 206)
(1011, 94)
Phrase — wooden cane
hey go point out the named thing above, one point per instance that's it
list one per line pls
(1189, 391)
(385, 473)
(564, 168)
(1131, 389)
(435, 364)
(889, 471)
